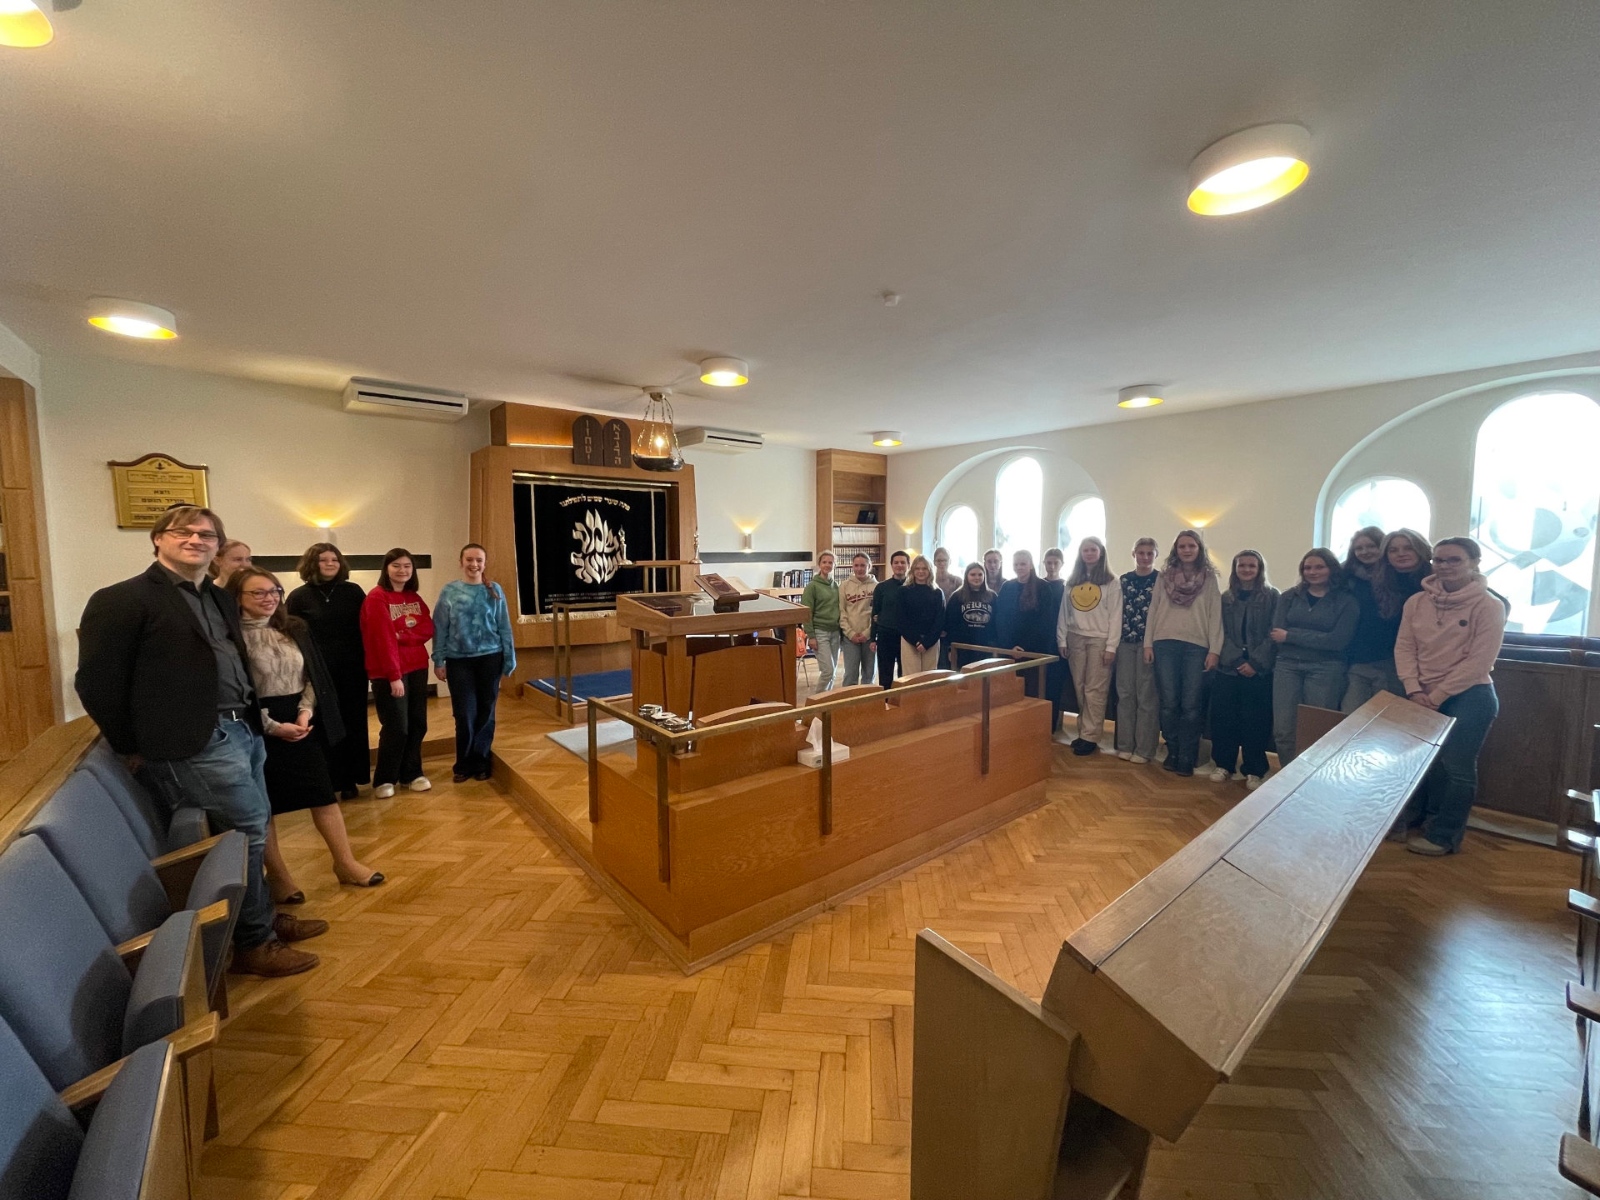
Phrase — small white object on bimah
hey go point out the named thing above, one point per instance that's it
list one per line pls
(811, 755)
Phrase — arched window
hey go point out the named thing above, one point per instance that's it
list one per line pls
(1535, 499)
(1386, 502)
(1083, 517)
(958, 533)
(1018, 501)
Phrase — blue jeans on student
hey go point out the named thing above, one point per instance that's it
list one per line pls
(1319, 684)
(1442, 801)
(1180, 678)
(227, 779)
(474, 691)
(828, 641)
(860, 662)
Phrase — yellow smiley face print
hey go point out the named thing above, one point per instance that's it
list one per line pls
(1086, 597)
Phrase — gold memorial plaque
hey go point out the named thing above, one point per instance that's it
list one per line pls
(146, 487)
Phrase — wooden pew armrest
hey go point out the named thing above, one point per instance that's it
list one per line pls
(1580, 1163)
(1583, 1001)
(132, 950)
(197, 1035)
(177, 868)
(1583, 904)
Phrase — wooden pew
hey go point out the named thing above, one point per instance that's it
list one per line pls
(1157, 999)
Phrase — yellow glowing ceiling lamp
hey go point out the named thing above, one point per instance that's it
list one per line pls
(887, 437)
(1248, 169)
(22, 25)
(724, 372)
(130, 318)
(1140, 395)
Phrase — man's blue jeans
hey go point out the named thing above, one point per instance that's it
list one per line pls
(1180, 684)
(227, 780)
(1441, 803)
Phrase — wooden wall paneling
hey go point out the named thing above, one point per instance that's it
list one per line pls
(13, 713)
(28, 682)
(991, 1091)
(1530, 757)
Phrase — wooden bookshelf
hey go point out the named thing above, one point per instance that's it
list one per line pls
(848, 483)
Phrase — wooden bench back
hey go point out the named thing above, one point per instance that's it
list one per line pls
(861, 723)
(719, 759)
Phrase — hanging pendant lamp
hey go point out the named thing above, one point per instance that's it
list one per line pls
(655, 445)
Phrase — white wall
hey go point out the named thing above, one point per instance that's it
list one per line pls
(280, 458)
(18, 359)
(1251, 475)
(773, 490)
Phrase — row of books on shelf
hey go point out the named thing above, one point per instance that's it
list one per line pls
(792, 579)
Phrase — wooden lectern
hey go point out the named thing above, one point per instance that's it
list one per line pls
(689, 659)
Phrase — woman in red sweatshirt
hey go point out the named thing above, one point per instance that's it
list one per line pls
(1449, 637)
(395, 628)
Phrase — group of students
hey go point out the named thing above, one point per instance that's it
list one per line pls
(1398, 615)
(225, 694)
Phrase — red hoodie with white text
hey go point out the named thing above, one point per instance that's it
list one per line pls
(395, 628)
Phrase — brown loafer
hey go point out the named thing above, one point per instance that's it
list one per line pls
(272, 959)
(297, 929)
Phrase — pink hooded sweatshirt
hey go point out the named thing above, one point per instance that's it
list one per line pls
(1448, 640)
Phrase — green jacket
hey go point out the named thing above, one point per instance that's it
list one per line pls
(822, 598)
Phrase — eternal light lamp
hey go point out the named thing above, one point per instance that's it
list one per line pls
(655, 445)
(1248, 169)
(1140, 395)
(724, 372)
(131, 318)
(23, 26)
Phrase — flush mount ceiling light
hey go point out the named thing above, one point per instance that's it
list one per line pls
(1140, 395)
(1248, 169)
(887, 437)
(22, 25)
(130, 318)
(720, 372)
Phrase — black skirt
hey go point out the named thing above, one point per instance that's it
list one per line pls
(297, 772)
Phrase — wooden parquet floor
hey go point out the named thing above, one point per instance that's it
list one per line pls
(488, 1026)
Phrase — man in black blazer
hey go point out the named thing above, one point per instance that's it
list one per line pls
(163, 670)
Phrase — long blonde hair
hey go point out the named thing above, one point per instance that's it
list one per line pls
(1082, 572)
(920, 560)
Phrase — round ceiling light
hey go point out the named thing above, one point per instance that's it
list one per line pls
(1140, 395)
(887, 437)
(721, 372)
(130, 318)
(22, 25)
(1248, 169)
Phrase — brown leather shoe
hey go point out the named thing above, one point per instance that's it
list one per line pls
(297, 929)
(272, 959)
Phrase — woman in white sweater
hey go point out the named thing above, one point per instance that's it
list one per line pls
(1087, 631)
(1183, 637)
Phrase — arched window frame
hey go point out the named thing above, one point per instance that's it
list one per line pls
(1494, 556)
(1061, 520)
(944, 540)
(1338, 545)
(1007, 550)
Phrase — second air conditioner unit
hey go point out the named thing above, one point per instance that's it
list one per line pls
(380, 398)
(728, 441)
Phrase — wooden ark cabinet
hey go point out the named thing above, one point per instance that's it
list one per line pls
(27, 675)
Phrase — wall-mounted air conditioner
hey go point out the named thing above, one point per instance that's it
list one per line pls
(380, 398)
(728, 441)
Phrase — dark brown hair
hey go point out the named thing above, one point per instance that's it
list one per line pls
(1391, 588)
(307, 567)
(1374, 535)
(1233, 572)
(1473, 550)
(1335, 571)
(182, 514)
(385, 582)
(280, 618)
(469, 546)
(1202, 560)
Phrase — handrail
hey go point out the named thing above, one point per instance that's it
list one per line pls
(561, 643)
(666, 743)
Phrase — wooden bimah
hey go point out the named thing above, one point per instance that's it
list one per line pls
(1158, 998)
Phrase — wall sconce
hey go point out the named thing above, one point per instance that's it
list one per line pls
(749, 540)
(329, 533)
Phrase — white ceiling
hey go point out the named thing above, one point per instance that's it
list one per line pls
(511, 198)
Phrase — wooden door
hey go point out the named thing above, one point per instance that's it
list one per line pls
(27, 676)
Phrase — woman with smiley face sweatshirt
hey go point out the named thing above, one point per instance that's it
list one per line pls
(1087, 631)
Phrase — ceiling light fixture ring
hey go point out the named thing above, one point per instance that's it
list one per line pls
(1249, 169)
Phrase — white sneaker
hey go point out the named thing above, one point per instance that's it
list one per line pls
(420, 784)
(1137, 758)
(1252, 782)
(1219, 774)
(383, 791)
(1237, 777)
(1125, 755)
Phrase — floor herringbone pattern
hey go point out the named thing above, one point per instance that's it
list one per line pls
(489, 1026)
